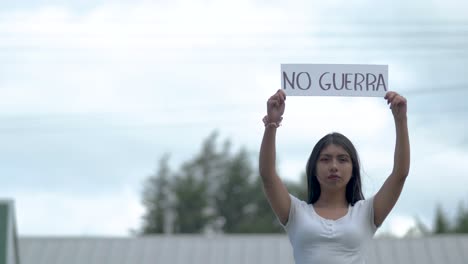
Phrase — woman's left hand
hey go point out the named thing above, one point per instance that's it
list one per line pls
(398, 105)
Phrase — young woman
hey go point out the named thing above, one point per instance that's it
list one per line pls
(336, 222)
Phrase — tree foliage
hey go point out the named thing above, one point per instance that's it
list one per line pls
(156, 199)
(461, 220)
(443, 225)
(218, 190)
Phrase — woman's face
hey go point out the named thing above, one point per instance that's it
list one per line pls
(334, 167)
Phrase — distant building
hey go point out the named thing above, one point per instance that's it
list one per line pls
(225, 249)
(205, 249)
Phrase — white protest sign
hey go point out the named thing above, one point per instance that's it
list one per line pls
(334, 79)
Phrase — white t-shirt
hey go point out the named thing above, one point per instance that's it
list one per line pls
(316, 240)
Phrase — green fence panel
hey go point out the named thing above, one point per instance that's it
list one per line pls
(3, 233)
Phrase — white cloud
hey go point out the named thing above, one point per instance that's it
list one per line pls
(126, 57)
(172, 72)
(45, 213)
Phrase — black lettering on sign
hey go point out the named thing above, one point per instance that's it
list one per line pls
(286, 79)
(342, 82)
(356, 82)
(347, 80)
(328, 85)
(309, 81)
(369, 82)
(380, 82)
(337, 81)
(303, 83)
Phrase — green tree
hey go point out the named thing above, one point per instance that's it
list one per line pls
(459, 225)
(155, 199)
(233, 198)
(263, 218)
(441, 224)
(210, 162)
(191, 201)
(215, 190)
(461, 221)
(241, 202)
(195, 186)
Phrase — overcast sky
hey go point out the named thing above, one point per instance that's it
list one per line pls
(93, 93)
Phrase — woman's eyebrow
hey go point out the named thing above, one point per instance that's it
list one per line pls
(343, 155)
(330, 155)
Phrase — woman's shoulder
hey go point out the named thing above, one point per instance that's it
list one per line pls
(364, 202)
(297, 201)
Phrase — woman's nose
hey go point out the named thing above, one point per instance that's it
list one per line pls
(333, 165)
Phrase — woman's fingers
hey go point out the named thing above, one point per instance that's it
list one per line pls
(282, 94)
(279, 97)
(271, 103)
(398, 101)
(394, 98)
(390, 96)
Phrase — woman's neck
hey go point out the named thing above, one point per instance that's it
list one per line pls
(332, 199)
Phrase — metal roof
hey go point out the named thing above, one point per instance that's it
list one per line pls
(239, 249)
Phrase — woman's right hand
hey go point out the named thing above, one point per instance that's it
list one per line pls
(276, 105)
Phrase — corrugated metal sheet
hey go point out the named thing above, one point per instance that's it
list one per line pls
(238, 249)
(8, 236)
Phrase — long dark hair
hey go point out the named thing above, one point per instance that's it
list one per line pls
(353, 188)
